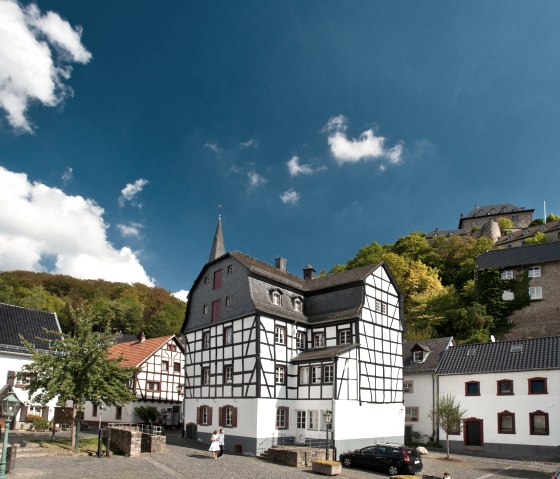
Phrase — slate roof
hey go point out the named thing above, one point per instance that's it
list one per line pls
(322, 353)
(550, 227)
(520, 256)
(136, 352)
(539, 353)
(493, 210)
(37, 327)
(435, 346)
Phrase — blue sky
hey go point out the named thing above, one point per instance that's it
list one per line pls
(318, 126)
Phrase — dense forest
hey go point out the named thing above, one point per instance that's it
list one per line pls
(117, 307)
(444, 294)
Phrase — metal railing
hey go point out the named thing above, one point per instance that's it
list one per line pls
(144, 428)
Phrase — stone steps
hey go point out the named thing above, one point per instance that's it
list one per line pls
(30, 449)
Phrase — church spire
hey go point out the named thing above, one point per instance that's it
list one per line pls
(218, 248)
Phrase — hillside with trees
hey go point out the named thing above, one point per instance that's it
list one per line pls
(444, 294)
(117, 307)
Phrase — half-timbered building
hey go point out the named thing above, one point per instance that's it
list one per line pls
(268, 352)
(157, 381)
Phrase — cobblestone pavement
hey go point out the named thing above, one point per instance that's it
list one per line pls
(189, 460)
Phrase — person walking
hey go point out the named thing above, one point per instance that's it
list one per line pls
(214, 445)
(221, 440)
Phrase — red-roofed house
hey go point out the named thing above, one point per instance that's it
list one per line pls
(158, 381)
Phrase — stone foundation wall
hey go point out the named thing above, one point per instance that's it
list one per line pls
(295, 456)
(127, 441)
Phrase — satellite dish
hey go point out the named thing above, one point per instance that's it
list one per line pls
(492, 338)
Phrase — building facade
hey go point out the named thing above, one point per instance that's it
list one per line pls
(268, 352)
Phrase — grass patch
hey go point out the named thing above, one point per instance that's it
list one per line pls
(64, 446)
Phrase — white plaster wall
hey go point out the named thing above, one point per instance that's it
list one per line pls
(422, 398)
(489, 404)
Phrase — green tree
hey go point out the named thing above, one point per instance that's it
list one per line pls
(536, 222)
(78, 369)
(448, 416)
(538, 238)
(147, 414)
(552, 217)
(506, 224)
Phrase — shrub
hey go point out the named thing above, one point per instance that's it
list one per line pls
(147, 413)
(326, 463)
(38, 423)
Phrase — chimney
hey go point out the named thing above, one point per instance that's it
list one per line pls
(308, 272)
(142, 337)
(280, 263)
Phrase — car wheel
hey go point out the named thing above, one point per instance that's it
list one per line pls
(393, 470)
(347, 462)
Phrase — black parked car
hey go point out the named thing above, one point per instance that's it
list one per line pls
(391, 458)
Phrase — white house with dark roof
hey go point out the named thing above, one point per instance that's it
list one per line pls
(541, 264)
(267, 352)
(36, 327)
(511, 391)
(420, 360)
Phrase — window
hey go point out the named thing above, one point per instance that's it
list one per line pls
(282, 418)
(472, 388)
(228, 374)
(319, 340)
(280, 375)
(204, 415)
(507, 274)
(206, 279)
(228, 335)
(534, 272)
(505, 387)
(301, 340)
(411, 414)
(205, 376)
(176, 367)
(228, 301)
(538, 423)
(205, 309)
(535, 292)
(328, 373)
(418, 356)
(508, 295)
(172, 347)
(165, 366)
(228, 416)
(316, 374)
(301, 419)
(344, 336)
(313, 420)
(408, 386)
(153, 386)
(94, 410)
(22, 381)
(280, 335)
(304, 374)
(118, 412)
(230, 269)
(506, 422)
(206, 340)
(537, 386)
(297, 305)
(380, 307)
(216, 311)
(276, 298)
(217, 279)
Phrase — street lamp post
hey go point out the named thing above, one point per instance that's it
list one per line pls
(10, 406)
(327, 417)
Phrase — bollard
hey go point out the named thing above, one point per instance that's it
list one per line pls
(99, 442)
(108, 442)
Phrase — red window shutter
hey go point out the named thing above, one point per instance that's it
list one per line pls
(234, 417)
(221, 417)
(216, 311)
(198, 418)
(209, 415)
(218, 279)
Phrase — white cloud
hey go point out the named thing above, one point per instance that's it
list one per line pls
(182, 295)
(248, 144)
(30, 68)
(255, 179)
(131, 229)
(68, 175)
(367, 146)
(131, 191)
(290, 197)
(214, 147)
(39, 222)
(295, 168)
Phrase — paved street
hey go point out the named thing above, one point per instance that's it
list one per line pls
(184, 459)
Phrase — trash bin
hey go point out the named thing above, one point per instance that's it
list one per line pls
(11, 458)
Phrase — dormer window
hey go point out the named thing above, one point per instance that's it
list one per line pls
(276, 298)
(298, 304)
(418, 356)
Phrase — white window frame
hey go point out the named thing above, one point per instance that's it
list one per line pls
(345, 336)
(534, 272)
(34, 410)
(280, 374)
(228, 335)
(328, 373)
(507, 274)
(228, 417)
(411, 414)
(204, 418)
(316, 372)
(228, 374)
(276, 298)
(301, 419)
(304, 374)
(418, 356)
(205, 376)
(280, 334)
(535, 292)
(281, 413)
(301, 340)
(508, 295)
(408, 386)
(319, 340)
(206, 340)
(313, 420)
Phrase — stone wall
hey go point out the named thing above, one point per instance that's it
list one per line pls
(295, 456)
(132, 443)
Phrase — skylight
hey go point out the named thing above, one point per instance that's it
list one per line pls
(516, 348)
